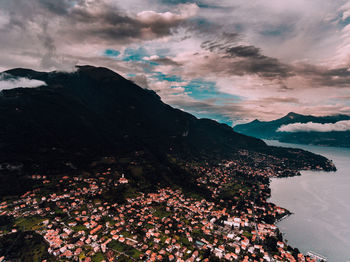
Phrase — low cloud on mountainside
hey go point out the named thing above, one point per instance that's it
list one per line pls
(316, 127)
(6, 82)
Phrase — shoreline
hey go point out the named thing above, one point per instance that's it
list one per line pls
(303, 145)
(302, 194)
(284, 217)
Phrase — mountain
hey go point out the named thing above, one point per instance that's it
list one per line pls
(97, 109)
(76, 118)
(269, 130)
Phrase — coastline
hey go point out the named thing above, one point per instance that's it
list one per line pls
(283, 218)
(242, 217)
(298, 174)
(318, 202)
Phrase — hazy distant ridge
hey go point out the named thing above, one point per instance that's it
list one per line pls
(303, 129)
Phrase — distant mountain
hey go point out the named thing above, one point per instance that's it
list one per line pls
(94, 112)
(270, 130)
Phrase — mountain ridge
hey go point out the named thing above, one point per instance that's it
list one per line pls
(87, 95)
(92, 113)
(269, 130)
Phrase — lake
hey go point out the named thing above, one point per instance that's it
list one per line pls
(320, 202)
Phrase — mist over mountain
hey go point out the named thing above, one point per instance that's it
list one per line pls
(303, 129)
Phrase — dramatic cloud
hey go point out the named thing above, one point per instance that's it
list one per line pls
(8, 82)
(163, 60)
(98, 20)
(248, 60)
(60, 34)
(316, 127)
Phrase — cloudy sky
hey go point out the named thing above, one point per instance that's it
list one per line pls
(233, 61)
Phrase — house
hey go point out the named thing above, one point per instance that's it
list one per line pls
(123, 180)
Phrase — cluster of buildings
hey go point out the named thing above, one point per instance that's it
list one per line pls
(167, 225)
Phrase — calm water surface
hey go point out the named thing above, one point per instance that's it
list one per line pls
(320, 202)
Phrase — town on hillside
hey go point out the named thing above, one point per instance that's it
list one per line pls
(229, 220)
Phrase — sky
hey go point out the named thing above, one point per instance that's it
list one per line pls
(233, 61)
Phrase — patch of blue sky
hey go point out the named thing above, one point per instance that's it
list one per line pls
(279, 30)
(344, 22)
(134, 55)
(170, 78)
(200, 89)
(340, 21)
(139, 55)
(111, 53)
(209, 6)
(152, 63)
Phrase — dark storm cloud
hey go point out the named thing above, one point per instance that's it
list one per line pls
(95, 19)
(244, 51)
(322, 76)
(248, 59)
(112, 23)
(103, 21)
(164, 61)
(263, 66)
(223, 42)
(58, 7)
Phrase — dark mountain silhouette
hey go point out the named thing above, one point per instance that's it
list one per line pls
(94, 112)
(95, 108)
(269, 130)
